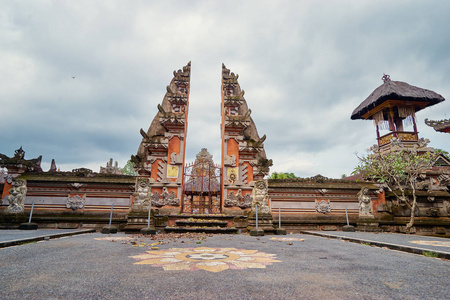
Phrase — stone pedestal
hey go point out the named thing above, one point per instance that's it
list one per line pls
(28, 226)
(265, 222)
(148, 230)
(280, 231)
(368, 224)
(349, 228)
(109, 229)
(256, 232)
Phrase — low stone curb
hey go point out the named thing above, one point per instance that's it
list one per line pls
(5, 244)
(409, 249)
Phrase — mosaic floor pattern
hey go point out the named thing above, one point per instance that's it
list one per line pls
(205, 258)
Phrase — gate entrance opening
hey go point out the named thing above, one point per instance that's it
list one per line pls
(202, 186)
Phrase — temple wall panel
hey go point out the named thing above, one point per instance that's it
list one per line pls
(233, 149)
(154, 169)
(174, 147)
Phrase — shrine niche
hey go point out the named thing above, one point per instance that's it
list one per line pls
(161, 153)
(244, 160)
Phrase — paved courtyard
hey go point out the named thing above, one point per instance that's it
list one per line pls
(297, 266)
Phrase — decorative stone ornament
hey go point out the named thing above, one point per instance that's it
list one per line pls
(322, 206)
(16, 196)
(75, 202)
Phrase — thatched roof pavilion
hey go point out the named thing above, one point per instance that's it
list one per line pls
(396, 91)
(392, 106)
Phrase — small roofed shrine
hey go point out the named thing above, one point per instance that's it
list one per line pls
(393, 107)
(440, 125)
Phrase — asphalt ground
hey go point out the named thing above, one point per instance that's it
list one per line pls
(96, 266)
(13, 234)
(402, 242)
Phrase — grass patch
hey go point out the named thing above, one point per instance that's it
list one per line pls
(27, 242)
(367, 244)
(430, 254)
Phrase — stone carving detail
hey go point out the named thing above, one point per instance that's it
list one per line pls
(322, 206)
(322, 191)
(16, 196)
(82, 172)
(142, 192)
(176, 159)
(260, 195)
(234, 199)
(238, 200)
(319, 178)
(446, 205)
(365, 203)
(166, 198)
(75, 202)
(76, 185)
(110, 169)
(155, 197)
(247, 203)
(19, 161)
(264, 165)
(433, 212)
(230, 160)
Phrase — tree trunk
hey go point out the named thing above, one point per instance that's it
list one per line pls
(413, 210)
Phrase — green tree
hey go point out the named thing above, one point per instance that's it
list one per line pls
(276, 175)
(398, 171)
(128, 169)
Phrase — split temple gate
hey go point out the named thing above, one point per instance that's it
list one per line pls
(229, 191)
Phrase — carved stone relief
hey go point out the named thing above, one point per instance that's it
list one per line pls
(446, 205)
(230, 160)
(75, 202)
(176, 159)
(165, 199)
(322, 206)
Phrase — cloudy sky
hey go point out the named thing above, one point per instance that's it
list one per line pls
(304, 66)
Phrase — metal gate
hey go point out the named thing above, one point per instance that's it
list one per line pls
(202, 186)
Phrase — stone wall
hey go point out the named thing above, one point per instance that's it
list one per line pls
(69, 200)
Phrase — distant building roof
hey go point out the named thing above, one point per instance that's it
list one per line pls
(440, 125)
(396, 90)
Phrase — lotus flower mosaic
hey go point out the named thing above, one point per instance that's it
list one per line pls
(205, 258)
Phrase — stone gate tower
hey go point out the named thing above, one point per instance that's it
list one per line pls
(243, 157)
(161, 154)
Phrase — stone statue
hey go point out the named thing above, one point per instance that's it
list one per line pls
(142, 193)
(260, 197)
(365, 203)
(16, 196)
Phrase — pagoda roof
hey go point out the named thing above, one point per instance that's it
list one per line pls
(396, 91)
